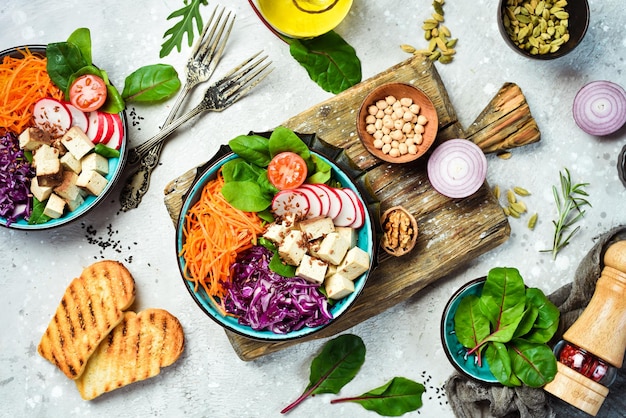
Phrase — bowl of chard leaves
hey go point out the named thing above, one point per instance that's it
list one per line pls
(496, 330)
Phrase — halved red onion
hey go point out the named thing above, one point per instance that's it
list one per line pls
(457, 168)
(600, 108)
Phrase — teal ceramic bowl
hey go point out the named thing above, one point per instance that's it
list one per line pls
(455, 351)
(366, 241)
(116, 167)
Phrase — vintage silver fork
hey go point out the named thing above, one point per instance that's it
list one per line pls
(219, 96)
(205, 56)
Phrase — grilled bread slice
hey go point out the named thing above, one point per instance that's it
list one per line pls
(135, 350)
(91, 307)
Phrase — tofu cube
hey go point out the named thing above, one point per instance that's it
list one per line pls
(68, 189)
(77, 142)
(337, 286)
(75, 203)
(95, 162)
(42, 193)
(276, 232)
(292, 249)
(70, 163)
(347, 233)
(333, 248)
(47, 165)
(317, 227)
(354, 264)
(33, 138)
(54, 206)
(312, 269)
(332, 269)
(92, 182)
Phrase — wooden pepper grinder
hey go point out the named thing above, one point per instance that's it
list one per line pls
(593, 347)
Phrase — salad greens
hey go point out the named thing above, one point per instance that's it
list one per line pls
(246, 184)
(189, 13)
(512, 325)
(339, 362)
(71, 59)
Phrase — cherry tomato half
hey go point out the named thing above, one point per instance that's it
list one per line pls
(287, 170)
(88, 92)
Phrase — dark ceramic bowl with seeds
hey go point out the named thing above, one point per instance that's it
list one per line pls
(543, 29)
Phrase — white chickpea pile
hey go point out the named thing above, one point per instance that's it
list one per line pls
(396, 125)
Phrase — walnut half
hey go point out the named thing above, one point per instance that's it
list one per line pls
(399, 231)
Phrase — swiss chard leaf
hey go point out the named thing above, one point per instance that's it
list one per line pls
(534, 364)
(252, 148)
(329, 60)
(189, 14)
(246, 195)
(64, 59)
(394, 398)
(337, 364)
(500, 363)
(547, 321)
(527, 322)
(151, 83)
(470, 324)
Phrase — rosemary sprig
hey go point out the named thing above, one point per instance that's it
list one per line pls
(569, 206)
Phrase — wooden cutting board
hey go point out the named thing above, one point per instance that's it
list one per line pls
(451, 231)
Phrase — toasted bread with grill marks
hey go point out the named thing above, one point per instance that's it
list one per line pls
(91, 307)
(135, 350)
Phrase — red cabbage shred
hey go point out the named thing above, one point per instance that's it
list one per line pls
(265, 300)
(15, 175)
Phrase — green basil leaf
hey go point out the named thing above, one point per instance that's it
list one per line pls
(245, 195)
(188, 14)
(151, 83)
(252, 148)
(470, 324)
(534, 364)
(81, 37)
(340, 360)
(329, 60)
(394, 398)
(63, 60)
(36, 215)
(499, 362)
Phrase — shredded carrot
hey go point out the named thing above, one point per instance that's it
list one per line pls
(215, 232)
(23, 81)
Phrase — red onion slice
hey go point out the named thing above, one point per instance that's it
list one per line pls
(600, 108)
(457, 168)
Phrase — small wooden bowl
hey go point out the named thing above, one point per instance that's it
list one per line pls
(402, 248)
(399, 91)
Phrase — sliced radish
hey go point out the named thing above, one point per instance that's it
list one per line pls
(79, 118)
(348, 212)
(315, 204)
(52, 116)
(117, 136)
(108, 132)
(334, 200)
(290, 203)
(322, 195)
(359, 220)
(94, 125)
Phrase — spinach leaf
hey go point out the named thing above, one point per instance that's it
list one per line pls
(189, 13)
(499, 362)
(329, 60)
(283, 139)
(151, 83)
(37, 216)
(278, 267)
(470, 324)
(321, 171)
(337, 364)
(394, 398)
(534, 364)
(64, 59)
(252, 148)
(81, 37)
(239, 170)
(246, 195)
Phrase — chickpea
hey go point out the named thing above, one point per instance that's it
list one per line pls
(396, 105)
(422, 120)
(382, 104)
(407, 128)
(370, 119)
(386, 139)
(419, 139)
(378, 124)
(412, 149)
(388, 110)
(378, 134)
(394, 152)
(406, 101)
(380, 114)
(414, 108)
(419, 129)
(390, 100)
(403, 148)
(398, 123)
(386, 148)
(371, 129)
(378, 143)
(407, 116)
(372, 110)
(386, 131)
(396, 135)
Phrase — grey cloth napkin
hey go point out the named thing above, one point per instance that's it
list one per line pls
(472, 399)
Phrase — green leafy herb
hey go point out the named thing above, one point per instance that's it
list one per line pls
(189, 14)
(337, 364)
(329, 60)
(151, 83)
(37, 216)
(569, 206)
(64, 59)
(394, 398)
(81, 37)
(511, 325)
